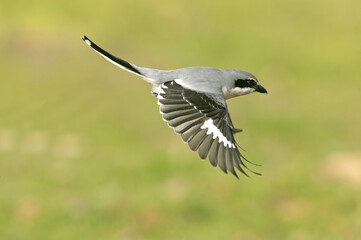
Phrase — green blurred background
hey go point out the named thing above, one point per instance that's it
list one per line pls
(84, 153)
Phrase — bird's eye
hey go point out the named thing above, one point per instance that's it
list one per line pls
(251, 82)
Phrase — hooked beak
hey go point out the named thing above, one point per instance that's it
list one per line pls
(260, 89)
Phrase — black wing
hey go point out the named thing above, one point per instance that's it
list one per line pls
(204, 123)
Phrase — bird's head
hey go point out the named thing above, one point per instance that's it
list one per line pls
(245, 83)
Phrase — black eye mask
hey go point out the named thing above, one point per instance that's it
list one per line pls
(245, 83)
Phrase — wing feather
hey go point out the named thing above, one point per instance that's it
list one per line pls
(204, 123)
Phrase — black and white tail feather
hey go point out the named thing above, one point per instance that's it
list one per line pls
(113, 59)
(201, 119)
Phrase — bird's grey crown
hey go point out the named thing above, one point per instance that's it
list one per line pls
(243, 75)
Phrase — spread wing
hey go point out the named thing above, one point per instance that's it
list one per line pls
(204, 123)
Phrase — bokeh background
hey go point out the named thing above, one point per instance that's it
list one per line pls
(84, 153)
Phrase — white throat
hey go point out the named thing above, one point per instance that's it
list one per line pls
(237, 91)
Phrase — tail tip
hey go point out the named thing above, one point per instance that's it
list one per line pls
(86, 40)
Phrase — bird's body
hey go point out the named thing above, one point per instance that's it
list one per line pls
(192, 102)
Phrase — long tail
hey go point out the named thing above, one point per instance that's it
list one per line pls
(113, 59)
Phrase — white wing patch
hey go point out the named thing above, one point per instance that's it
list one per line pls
(216, 133)
(207, 124)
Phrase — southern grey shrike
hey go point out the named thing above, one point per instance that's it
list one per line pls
(192, 101)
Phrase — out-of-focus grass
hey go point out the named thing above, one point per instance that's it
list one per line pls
(84, 153)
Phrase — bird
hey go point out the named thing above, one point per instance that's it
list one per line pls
(192, 101)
